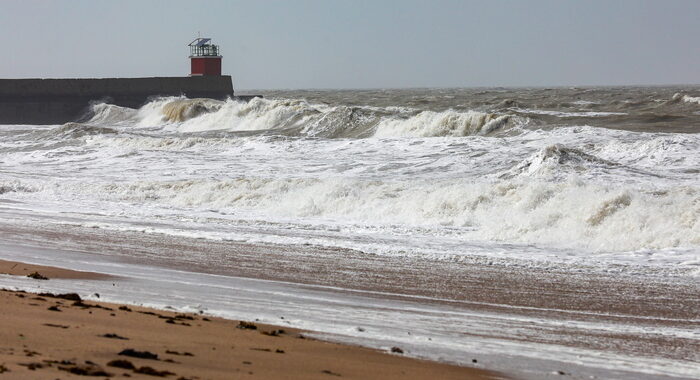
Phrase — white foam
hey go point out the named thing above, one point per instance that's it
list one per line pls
(447, 123)
(686, 98)
(585, 102)
(570, 214)
(104, 113)
(200, 115)
(257, 114)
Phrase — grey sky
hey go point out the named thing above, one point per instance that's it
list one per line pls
(361, 44)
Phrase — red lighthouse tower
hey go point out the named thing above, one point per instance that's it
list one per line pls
(204, 58)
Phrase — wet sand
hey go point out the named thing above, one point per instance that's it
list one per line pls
(58, 336)
(582, 315)
(23, 269)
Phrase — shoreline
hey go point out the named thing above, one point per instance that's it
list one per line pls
(55, 333)
(522, 322)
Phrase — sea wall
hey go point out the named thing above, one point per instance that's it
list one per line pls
(56, 101)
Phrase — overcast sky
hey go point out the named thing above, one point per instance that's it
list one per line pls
(360, 44)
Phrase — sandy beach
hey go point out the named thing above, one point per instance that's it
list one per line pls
(525, 323)
(60, 336)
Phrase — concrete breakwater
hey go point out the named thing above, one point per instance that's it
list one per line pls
(57, 101)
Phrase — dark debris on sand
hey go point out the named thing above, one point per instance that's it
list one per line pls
(153, 372)
(37, 276)
(32, 366)
(65, 296)
(139, 354)
(85, 370)
(120, 363)
(114, 336)
(55, 325)
(174, 322)
(30, 353)
(84, 305)
(171, 352)
(277, 332)
(61, 362)
(246, 326)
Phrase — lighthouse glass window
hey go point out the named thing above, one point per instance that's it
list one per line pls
(205, 50)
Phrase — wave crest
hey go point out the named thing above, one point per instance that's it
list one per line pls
(77, 130)
(185, 109)
(103, 113)
(678, 97)
(296, 117)
(558, 160)
(448, 123)
(565, 214)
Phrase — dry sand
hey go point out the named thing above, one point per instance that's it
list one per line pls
(49, 337)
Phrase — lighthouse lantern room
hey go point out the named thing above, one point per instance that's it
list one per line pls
(204, 57)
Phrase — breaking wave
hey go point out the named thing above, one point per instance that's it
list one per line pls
(559, 161)
(295, 117)
(563, 214)
(685, 98)
(103, 113)
(73, 131)
(448, 123)
(185, 109)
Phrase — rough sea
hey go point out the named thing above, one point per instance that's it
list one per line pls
(540, 230)
(591, 176)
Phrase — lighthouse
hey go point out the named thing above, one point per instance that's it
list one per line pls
(204, 58)
(58, 101)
